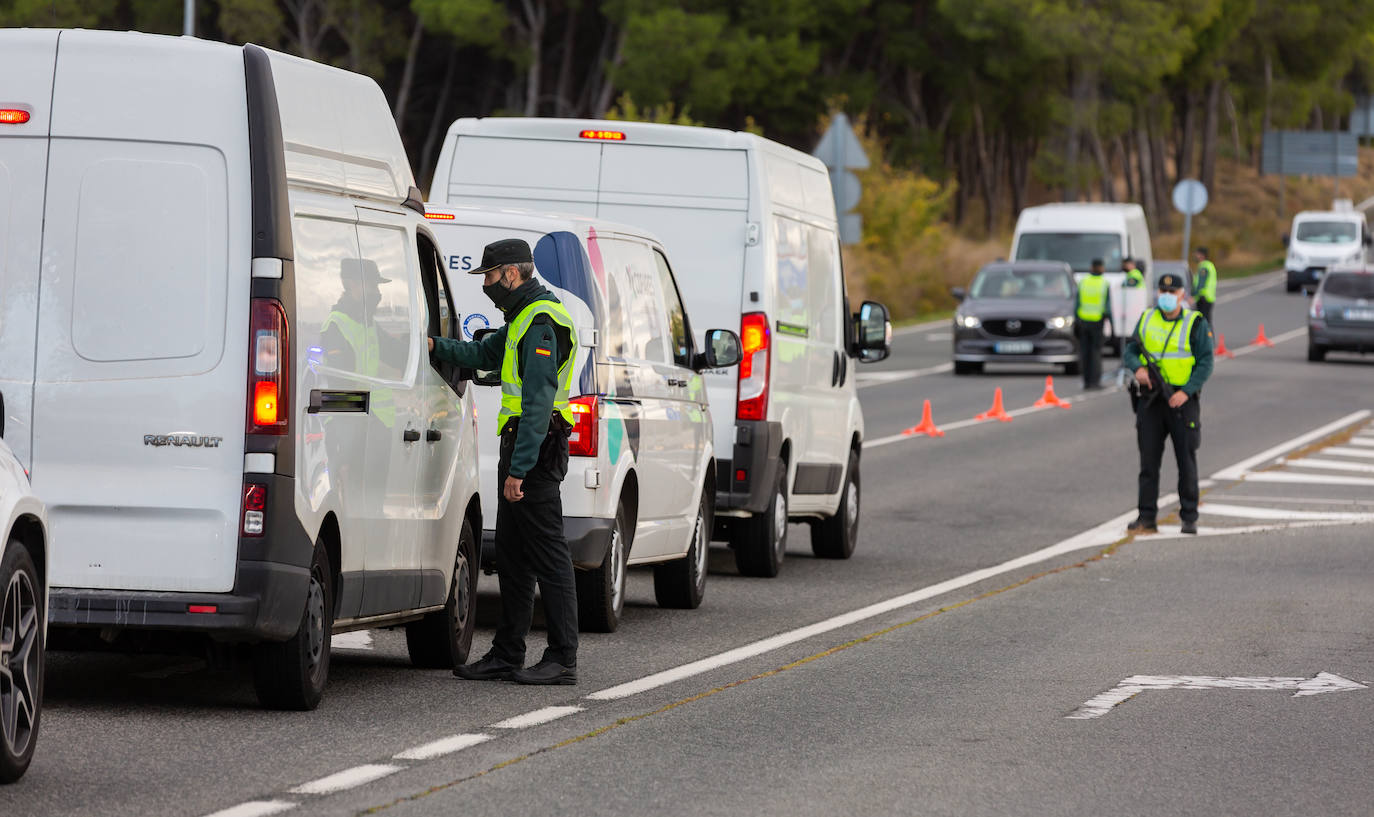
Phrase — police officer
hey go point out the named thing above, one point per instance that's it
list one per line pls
(1094, 306)
(1177, 344)
(1204, 284)
(1135, 277)
(535, 351)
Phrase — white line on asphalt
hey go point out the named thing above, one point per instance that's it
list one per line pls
(537, 717)
(1349, 451)
(921, 327)
(443, 746)
(255, 808)
(1241, 468)
(1286, 336)
(1304, 500)
(1099, 705)
(1308, 479)
(882, 378)
(1362, 440)
(940, 336)
(1227, 297)
(357, 640)
(347, 779)
(1248, 512)
(1331, 465)
(879, 442)
(1176, 532)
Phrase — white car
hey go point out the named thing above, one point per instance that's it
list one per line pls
(223, 392)
(640, 488)
(23, 614)
(750, 227)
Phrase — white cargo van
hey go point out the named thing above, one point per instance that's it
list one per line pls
(750, 227)
(217, 284)
(1076, 233)
(641, 479)
(1319, 241)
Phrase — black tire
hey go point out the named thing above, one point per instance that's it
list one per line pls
(292, 674)
(1073, 369)
(835, 537)
(962, 367)
(21, 660)
(760, 541)
(681, 583)
(442, 640)
(1315, 353)
(1293, 286)
(601, 592)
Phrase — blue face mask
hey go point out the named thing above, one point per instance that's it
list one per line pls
(1168, 301)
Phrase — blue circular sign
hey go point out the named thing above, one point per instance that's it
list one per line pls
(474, 317)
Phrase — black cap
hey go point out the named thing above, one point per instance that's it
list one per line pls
(1097, 262)
(1202, 251)
(364, 268)
(1128, 260)
(1170, 281)
(503, 252)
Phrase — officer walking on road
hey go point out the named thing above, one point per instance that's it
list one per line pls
(1094, 306)
(1171, 355)
(535, 351)
(1135, 275)
(1205, 284)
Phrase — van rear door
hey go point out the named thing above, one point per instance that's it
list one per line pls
(27, 57)
(141, 372)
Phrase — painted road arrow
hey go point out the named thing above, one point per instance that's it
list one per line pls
(1136, 684)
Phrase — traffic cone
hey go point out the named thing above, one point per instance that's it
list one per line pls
(926, 426)
(1221, 350)
(1261, 339)
(996, 412)
(1050, 398)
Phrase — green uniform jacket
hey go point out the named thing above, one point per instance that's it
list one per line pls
(1200, 342)
(539, 372)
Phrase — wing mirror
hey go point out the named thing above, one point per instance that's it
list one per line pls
(1285, 240)
(485, 377)
(2, 415)
(959, 293)
(722, 351)
(874, 341)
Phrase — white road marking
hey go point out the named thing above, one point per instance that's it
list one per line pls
(1176, 532)
(940, 336)
(1350, 451)
(1308, 479)
(1248, 291)
(356, 640)
(1241, 468)
(921, 327)
(347, 779)
(867, 379)
(1100, 705)
(1362, 440)
(1331, 465)
(1286, 336)
(1247, 512)
(443, 746)
(879, 442)
(1303, 500)
(256, 808)
(537, 717)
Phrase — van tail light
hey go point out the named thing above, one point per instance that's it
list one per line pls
(753, 367)
(13, 116)
(582, 441)
(254, 508)
(1318, 310)
(269, 384)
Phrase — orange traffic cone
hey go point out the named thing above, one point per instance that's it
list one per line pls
(926, 426)
(1050, 398)
(1261, 339)
(1221, 350)
(996, 412)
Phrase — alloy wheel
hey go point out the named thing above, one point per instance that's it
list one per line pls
(19, 663)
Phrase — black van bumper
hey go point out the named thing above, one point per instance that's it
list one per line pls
(588, 538)
(758, 447)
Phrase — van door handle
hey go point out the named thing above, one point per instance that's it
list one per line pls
(411, 435)
(433, 435)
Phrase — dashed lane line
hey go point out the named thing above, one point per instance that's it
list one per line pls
(443, 746)
(347, 779)
(256, 808)
(1227, 297)
(537, 717)
(869, 379)
(1280, 338)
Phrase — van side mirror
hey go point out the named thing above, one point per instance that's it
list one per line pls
(722, 351)
(485, 377)
(1368, 239)
(2, 415)
(959, 293)
(1285, 239)
(874, 342)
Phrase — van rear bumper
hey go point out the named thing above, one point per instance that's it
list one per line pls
(758, 445)
(266, 605)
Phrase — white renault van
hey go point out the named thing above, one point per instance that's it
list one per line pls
(641, 479)
(1319, 241)
(750, 227)
(1078, 232)
(217, 284)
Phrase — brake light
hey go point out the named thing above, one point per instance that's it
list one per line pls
(13, 116)
(604, 135)
(753, 367)
(254, 508)
(583, 439)
(1318, 311)
(440, 216)
(268, 369)
(202, 608)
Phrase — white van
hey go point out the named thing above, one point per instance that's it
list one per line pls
(641, 479)
(1076, 233)
(1321, 240)
(217, 373)
(750, 226)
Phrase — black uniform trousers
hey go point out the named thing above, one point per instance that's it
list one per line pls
(1090, 338)
(530, 547)
(1205, 307)
(1154, 423)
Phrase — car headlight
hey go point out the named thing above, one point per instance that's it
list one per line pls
(967, 321)
(1060, 321)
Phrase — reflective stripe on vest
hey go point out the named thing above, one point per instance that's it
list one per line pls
(1208, 289)
(512, 390)
(367, 358)
(1092, 298)
(1173, 355)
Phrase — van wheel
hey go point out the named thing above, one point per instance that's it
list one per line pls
(968, 367)
(21, 661)
(1315, 353)
(441, 640)
(761, 540)
(681, 584)
(601, 591)
(291, 674)
(835, 537)
(1293, 286)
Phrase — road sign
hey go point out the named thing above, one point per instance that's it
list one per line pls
(1100, 705)
(1310, 153)
(842, 152)
(1190, 198)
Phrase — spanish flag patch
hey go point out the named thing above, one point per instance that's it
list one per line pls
(544, 352)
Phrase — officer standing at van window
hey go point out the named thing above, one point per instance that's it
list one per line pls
(1094, 306)
(1135, 277)
(1204, 284)
(535, 351)
(1171, 355)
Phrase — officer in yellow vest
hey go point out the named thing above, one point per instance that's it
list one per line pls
(1094, 308)
(1135, 274)
(535, 351)
(1205, 284)
(1171, 355)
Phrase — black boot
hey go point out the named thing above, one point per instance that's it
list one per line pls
(1190, 527)
(547, 673)
(1142, 525)
(487, 668)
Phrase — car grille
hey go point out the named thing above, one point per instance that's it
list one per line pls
(1013, 328)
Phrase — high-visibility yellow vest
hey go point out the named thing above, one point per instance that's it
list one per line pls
(1135, 278)
(1207, 283)
(367, 356)
(512, 385)
(1092, 298)
(1170, 343)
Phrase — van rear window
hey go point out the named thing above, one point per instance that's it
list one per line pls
(1350, 285)
(1075, 249)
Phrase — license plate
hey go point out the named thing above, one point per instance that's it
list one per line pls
(1359, 314)
(1014, 347)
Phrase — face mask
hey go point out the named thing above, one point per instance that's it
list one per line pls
(1168, 301)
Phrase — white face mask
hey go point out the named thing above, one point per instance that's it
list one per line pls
(1168, 301)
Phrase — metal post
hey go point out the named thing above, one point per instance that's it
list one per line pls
(188, 22)
(1282, 210)
(1187, 234)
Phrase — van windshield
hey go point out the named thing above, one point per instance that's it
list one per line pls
(1328, 232)
(1004, 282)
(1350, 285)
(1075, 249)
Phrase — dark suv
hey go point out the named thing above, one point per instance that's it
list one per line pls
(1342, 314)
(1017, 312)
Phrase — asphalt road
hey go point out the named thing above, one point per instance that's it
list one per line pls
(952, 698)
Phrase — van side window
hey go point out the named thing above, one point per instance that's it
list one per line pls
(330, 323)
(677, 316)
(437, 302)
(386, 290)
(793, 277)
(823, 253)
(634, 302)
